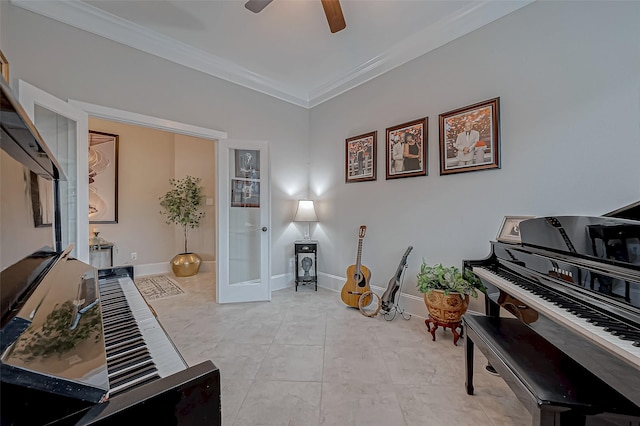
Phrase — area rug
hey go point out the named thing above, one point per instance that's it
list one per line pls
(157, 286)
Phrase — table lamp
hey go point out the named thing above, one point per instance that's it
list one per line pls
(306, 213)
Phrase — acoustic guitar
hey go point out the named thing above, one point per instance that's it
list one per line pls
(358, 277)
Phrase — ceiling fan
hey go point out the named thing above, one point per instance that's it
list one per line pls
(332, 10)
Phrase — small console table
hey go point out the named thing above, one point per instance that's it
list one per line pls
(101, 254)
(306, 263)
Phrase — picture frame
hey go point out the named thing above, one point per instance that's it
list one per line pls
(402, 142)
(510, 229)
(470, 138)
(103, 177)
(245, 193)
(247, 163)
(360, 157)
(41, 191)
(4, 67)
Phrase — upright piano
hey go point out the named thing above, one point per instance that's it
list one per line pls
(78, 346)
(575, 281)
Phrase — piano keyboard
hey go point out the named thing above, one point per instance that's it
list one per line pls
(138, 349)
(600, 331)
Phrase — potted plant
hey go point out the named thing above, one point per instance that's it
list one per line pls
(446, 291)
(182, 205)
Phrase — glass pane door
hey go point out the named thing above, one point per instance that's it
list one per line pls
(64, 129)
(243, 222)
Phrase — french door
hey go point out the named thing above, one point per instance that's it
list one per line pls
(65, 130)
(243, 267)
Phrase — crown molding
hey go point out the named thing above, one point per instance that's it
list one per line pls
(463, 21)
(97, 21)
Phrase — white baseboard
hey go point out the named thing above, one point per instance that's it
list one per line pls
(411, 304)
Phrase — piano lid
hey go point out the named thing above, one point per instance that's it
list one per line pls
(611, 239)
(55, 342)
(631, 211)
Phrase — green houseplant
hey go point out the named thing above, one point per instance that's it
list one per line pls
(182, 206)
(446, 290)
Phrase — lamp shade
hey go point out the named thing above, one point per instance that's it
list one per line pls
(305, 212)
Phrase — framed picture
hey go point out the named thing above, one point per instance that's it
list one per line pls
(407, 149)
(245, 193)
(247, 163)
(510, 229)
(41, 191)
(103, 177)
(470, 138)
(4, 67)
(361, 158)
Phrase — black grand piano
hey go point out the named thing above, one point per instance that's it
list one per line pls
(574, 284)
(79, 346)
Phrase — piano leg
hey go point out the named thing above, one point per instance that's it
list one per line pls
(468, 364)
(554, 418)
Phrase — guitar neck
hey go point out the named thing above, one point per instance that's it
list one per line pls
(359, 256)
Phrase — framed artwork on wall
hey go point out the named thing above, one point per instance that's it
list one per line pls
(510, 229)
(4, 67)
(103, 177)
(41, 191)
(406, 149)
(360, 158)
(470, 138)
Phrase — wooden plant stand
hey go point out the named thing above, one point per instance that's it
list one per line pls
(432, 325)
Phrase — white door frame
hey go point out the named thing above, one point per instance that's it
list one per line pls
(126, 117)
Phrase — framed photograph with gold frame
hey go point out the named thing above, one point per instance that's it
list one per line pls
(4, 67)
(510, 229)
(360, 158)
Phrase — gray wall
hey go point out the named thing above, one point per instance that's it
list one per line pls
(73, 64)
(568, 78)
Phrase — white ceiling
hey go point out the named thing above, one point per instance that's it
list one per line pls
(287, 50)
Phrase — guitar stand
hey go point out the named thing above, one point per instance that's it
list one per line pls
(395, 308)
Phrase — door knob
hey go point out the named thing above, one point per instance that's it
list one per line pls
(264, 229)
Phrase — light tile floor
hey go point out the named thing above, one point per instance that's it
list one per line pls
(306, 359)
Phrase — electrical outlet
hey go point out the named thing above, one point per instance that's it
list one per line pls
(134, 255)
(292, 262)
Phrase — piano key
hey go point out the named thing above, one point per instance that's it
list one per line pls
(626, 350)
(164, 354)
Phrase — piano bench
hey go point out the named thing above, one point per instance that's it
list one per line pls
(554, 389)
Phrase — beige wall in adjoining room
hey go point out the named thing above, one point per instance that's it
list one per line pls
(196, 157)
(145, 165)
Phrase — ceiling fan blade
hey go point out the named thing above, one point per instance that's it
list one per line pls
(335, 18)
(257, 5)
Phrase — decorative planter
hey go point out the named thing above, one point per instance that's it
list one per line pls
(185, 264)
(446, 308)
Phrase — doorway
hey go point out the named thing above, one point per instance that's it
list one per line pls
(141, 232)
